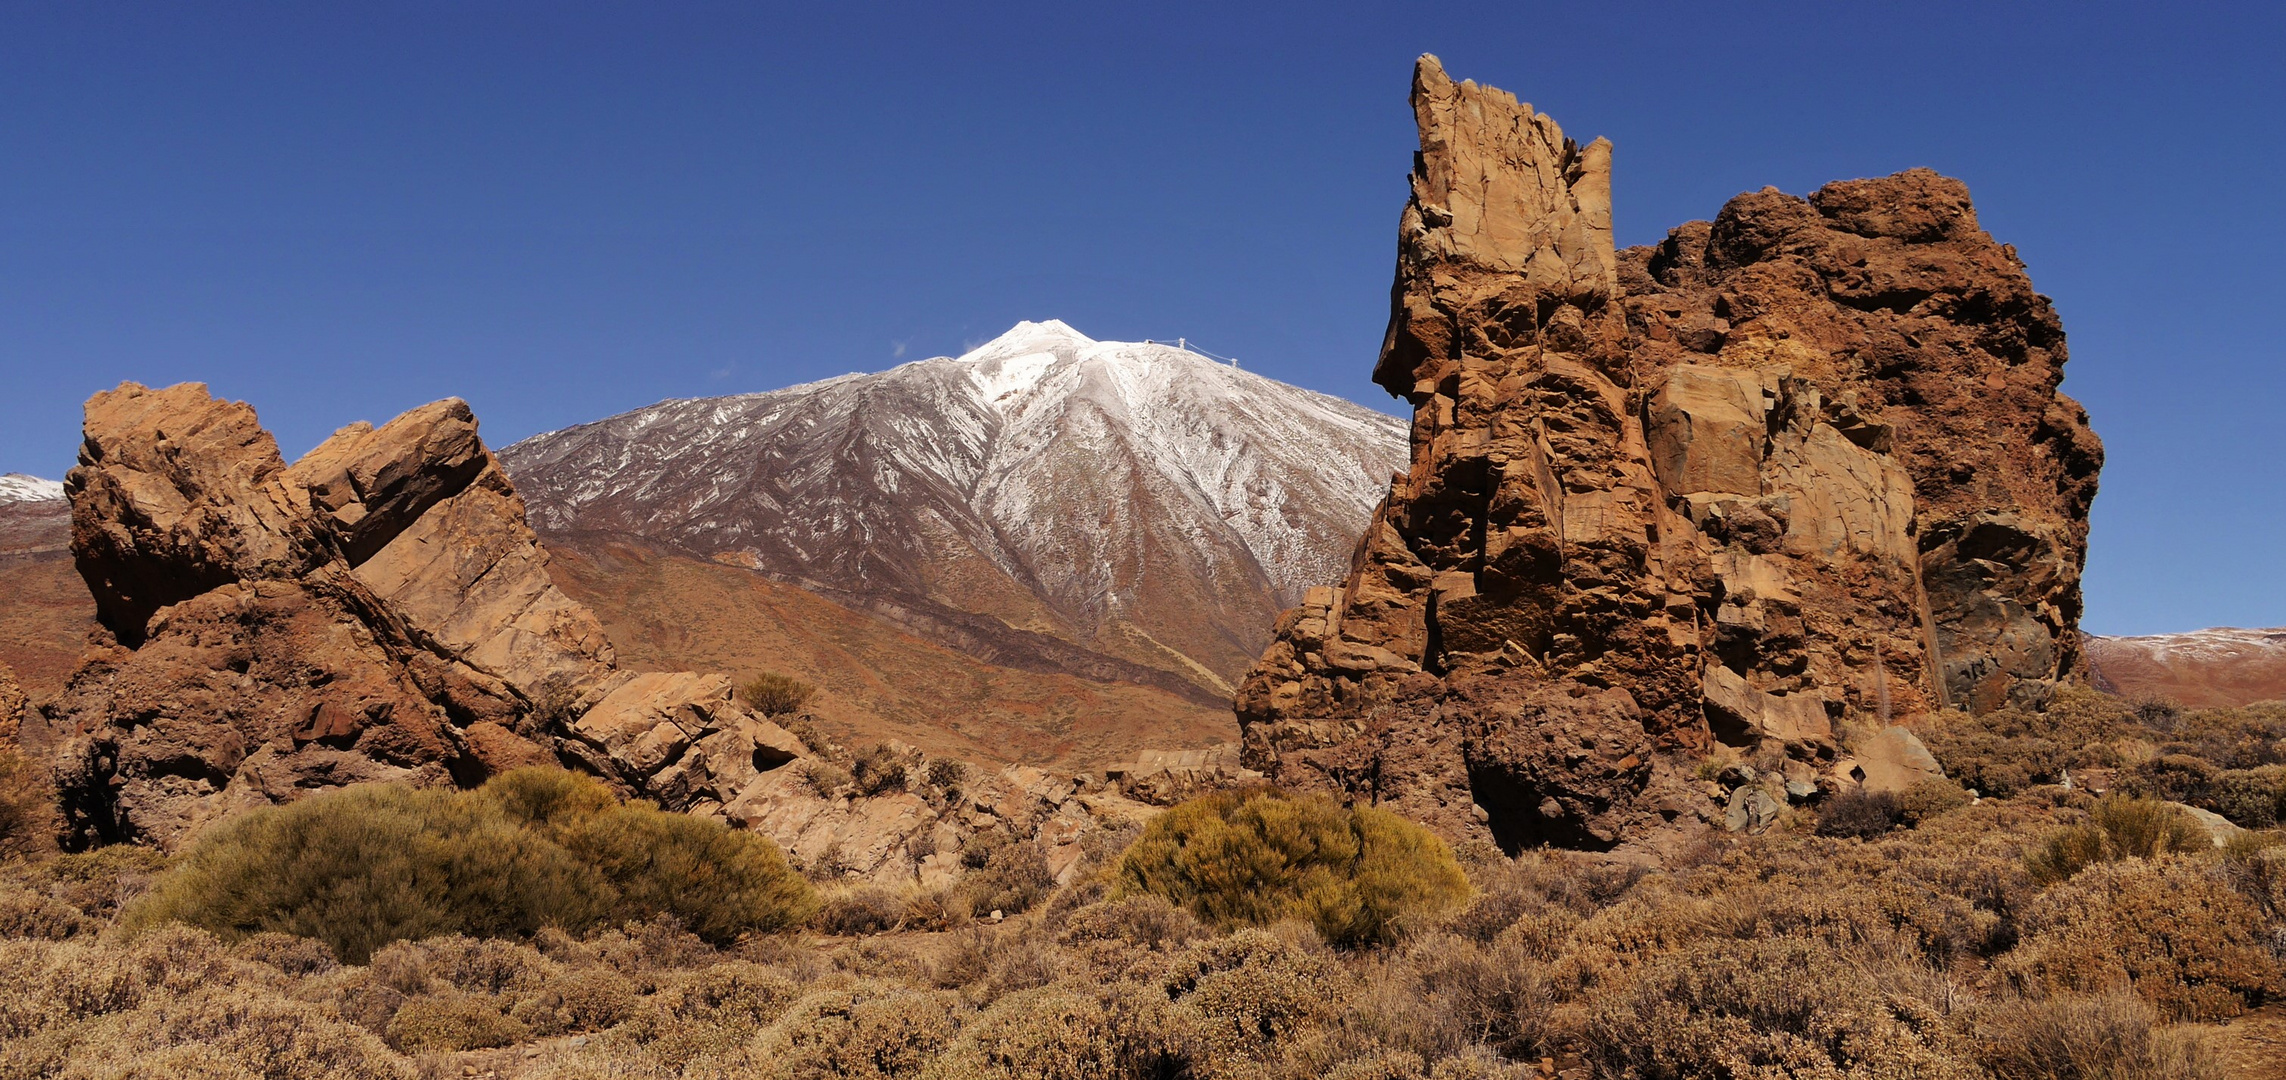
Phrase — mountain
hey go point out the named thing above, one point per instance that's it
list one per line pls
(2200, 670)
(1115, 510)
(45, 612)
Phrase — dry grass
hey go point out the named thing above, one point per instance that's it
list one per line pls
(1940, 950)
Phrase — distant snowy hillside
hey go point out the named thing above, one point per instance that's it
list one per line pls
(1138, 500)
(17, 487)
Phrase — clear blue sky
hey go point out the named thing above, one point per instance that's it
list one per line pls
(561, 210)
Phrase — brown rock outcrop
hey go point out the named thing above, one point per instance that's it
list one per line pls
(377, 611)
(1780, 481)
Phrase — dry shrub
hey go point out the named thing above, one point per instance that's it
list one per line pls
(27, 805)
(825, 779)
(1246, 998)
(2112, 1037)
(590, 999)
(2170, 929)
(861, 909)
(774, 694)
(1251, 858)
(1071, 1032)
(1859, 813)
(363, 866)
(1009, 876)
(1928, 798)
(451, 1021)
(868, 1031)
(1145, 922)
(1767, 1007)
(1443, 995)
(877, 770)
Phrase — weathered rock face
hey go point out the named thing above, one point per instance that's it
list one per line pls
(1777, 482)
(377, 611)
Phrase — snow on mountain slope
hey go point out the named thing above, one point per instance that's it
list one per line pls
(2213, 668)
(1139, 500)
(17, 487)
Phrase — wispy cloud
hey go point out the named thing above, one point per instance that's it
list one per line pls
(897, 349)
(723, 372)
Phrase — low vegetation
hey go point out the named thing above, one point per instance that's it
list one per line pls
(1253, 858)
(1250, 934)
(774, 694)
(360, 867)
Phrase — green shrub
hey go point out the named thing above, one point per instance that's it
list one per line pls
(1240, 858)
(720, 882)
(552, 800)
(363, 866)
(2173, 777)
(774, 694)
(2250, 798)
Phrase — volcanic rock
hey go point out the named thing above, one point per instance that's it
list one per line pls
(378, 611)
(1791, 480)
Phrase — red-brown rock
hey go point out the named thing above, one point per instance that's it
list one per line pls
(1788, 480)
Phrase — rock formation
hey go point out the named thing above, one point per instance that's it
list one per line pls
(379, 611)
(376, 611)
(1794, 481)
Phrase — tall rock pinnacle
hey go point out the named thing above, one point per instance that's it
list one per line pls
(1793, 481)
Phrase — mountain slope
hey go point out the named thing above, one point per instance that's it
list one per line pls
(2201, 669)
(1145, 503)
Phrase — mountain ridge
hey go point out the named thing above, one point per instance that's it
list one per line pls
(1135, 499)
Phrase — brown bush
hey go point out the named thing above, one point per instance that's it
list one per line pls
(861, 909)
(2111, 1037)
(27, 805)
(1011, 876)
(451, 1021)
(869, 1031)
(1773, 1006)
(2169, 929)
(878, 770)
(1071, 1032)
(1858, 813)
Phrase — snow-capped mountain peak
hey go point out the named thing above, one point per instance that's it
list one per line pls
(18, 487)
(1137, 499)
